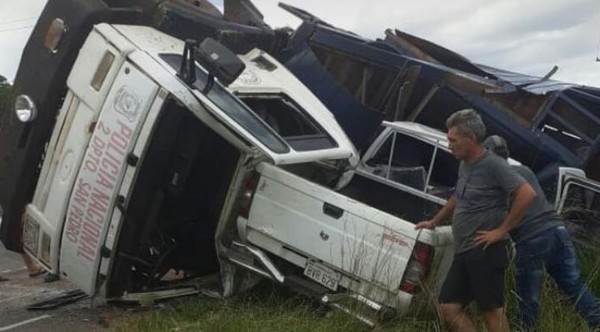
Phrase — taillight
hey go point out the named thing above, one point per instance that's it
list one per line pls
(247, 196)
(417, 268)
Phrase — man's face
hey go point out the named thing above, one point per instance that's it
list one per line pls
(460, 145)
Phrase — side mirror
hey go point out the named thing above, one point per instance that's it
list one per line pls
(219, 61)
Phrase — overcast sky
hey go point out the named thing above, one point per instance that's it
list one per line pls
(527, 36)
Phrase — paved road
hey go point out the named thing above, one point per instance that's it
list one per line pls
(20, 290)
(9, 261)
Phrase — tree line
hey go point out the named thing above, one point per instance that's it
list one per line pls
(5, 88)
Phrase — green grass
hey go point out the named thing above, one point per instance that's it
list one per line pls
(267, 309)
(270, 308)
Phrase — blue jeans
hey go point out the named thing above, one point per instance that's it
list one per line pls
(553, 251)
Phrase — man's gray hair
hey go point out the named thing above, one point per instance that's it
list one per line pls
(468, 123)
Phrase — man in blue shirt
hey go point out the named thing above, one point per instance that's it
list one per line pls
(543, 243)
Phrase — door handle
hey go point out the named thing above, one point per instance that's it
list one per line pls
(332, 210)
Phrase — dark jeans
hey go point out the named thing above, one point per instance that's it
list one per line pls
(554, 251)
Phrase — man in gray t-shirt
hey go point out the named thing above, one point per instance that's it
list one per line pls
(482, 194)
(481, 220)
(543, 243)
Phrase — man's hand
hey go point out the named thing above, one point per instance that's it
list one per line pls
(486, 238)
(429, 224)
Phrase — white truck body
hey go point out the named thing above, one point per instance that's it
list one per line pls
(577, 200)
(94, 183)
(361, 248)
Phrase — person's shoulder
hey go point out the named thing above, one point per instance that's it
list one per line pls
(494, 160)
(523, 170)
(499, 168)
(492, 157)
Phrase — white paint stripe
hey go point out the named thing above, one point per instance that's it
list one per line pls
(15, 298)
(10, 271)
(10, 327)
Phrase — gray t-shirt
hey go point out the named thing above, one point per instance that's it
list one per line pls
(540, 215)
(482, 196)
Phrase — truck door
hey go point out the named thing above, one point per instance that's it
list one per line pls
(92, 200)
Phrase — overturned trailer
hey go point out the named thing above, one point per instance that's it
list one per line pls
(402, 77)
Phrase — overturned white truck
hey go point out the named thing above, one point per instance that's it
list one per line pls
(159, 178)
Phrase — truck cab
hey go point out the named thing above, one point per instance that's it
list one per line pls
(160, 178)
(413, 158)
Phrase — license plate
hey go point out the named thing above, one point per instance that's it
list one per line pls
(322, 274)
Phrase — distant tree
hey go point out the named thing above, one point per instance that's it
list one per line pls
(5, 88)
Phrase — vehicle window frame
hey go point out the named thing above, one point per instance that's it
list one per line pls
(393, 135)
(218, 94)
(303, 115)
(438, 151)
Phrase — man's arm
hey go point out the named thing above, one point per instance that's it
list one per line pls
(443, 214)
(523, 196)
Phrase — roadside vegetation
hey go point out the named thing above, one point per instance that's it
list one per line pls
(270, 308)
(267, 308)
(5, 89)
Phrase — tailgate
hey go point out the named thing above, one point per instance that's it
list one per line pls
(344, 234)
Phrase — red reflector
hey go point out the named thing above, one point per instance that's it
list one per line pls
(408, 287)
(54, 34)
(421, 253)
(417, 268)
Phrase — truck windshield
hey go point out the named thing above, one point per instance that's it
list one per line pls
(232, 107)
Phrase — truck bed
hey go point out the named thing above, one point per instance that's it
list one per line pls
(346, 235)
(402, 204)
